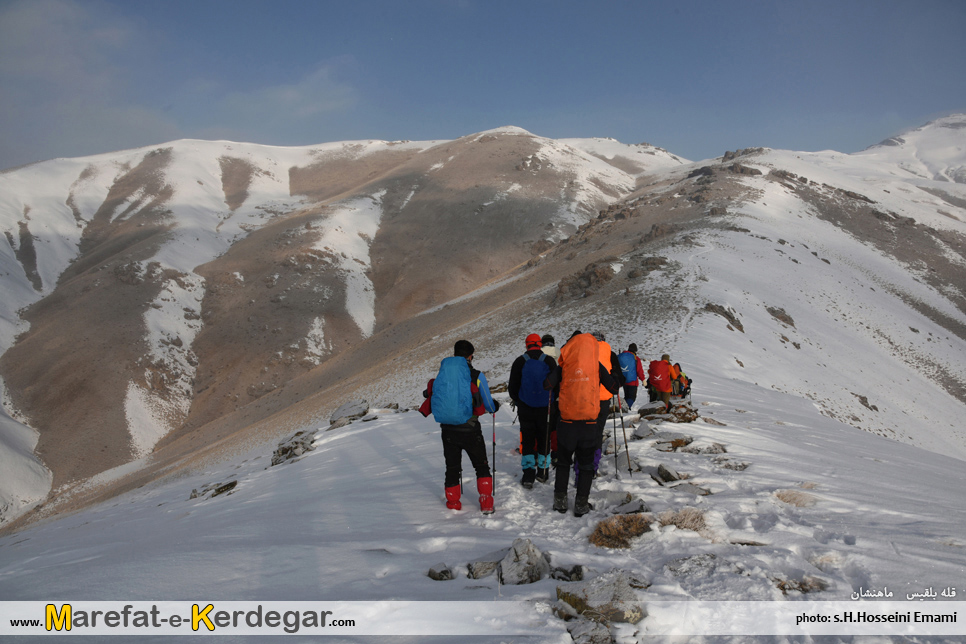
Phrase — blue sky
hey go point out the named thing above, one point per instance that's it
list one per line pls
(80, 77)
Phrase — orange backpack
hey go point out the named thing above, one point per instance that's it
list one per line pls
(580, 379)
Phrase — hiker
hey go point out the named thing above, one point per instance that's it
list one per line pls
(459, 395)
(533, 407)
(660, 375)
(611, 363)
(683, 382)
(548, 347)
(579, 375)
(633, 372)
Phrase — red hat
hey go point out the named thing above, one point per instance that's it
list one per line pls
(533, 341)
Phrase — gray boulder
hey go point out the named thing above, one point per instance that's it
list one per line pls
(440, 572)
(523, 564)
(486, 565)
(350, 411)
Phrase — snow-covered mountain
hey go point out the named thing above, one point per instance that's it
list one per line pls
(149, 292)
(208, 299)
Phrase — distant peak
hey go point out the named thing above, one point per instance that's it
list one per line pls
(506, 129)
(950, 122)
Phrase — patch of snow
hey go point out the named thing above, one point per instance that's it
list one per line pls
(346, 232)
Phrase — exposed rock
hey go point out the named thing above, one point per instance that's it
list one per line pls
(697, 566)
(486, 565)
(728, 464)
(562, 574)
(667, 474)
(704, 171)
(636, 506)
(523, 564)
(658, 231)
(440, 572)
(215, 489)
(727, 314)
(673, 444)
(728, 156)
(293, 447)
(780, 315)
(585, 631)
(586, 282)
(713, 448)
(865, 402)
(644, 430)
(350, 410)
(608, 598)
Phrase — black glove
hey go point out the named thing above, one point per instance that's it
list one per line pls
(496, 405)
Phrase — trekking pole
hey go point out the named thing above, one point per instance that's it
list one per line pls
(493, 416)
(624, 430)
(546, 445)
(617, 474)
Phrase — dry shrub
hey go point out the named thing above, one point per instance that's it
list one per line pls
(617, 531)
(685, 519)
(796, 497)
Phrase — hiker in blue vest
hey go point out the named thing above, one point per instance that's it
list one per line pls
(633, 371)
(533, 406)
(551, 350)
(459, 395)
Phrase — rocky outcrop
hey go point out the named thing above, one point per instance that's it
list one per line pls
(608, 598)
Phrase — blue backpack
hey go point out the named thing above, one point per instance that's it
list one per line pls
(535, 371)
(452, 400)
(628, 362)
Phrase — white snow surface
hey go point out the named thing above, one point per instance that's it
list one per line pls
(362, 518)
(25, 480)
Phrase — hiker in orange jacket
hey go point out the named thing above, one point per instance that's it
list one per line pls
(660, 375)
(580, 373)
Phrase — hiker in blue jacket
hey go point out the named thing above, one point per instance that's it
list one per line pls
(533, 406)
(459, 395)
(633, 371)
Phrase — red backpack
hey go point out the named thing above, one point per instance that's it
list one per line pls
(659, 375)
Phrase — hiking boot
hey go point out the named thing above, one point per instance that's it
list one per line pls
(529, 476)
(582, 506)
(485, 487)
(560, 503)
(543, 474)
(453, 498)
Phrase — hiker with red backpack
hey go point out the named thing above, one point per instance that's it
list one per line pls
(458, 396)
(633, 372)
(580, 374)
(532, 401)
(660, 374)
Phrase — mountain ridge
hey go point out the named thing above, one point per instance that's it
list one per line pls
(572, 209)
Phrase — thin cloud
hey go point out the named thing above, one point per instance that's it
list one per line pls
(78, 79)
(279, 111)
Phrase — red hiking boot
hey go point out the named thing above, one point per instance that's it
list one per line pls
(485, 488)
(453, 498)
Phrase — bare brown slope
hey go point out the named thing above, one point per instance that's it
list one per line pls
(468, 212)
(411, 349)
(70, 371)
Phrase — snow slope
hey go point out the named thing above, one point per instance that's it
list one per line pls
(361, 518)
